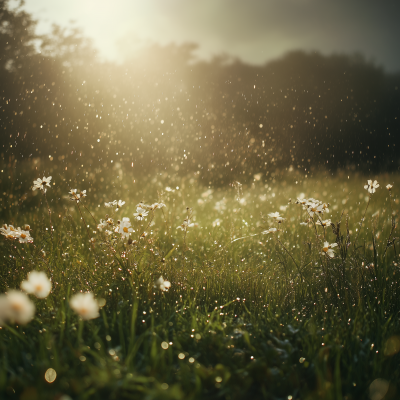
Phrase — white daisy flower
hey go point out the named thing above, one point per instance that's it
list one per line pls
(162, 284)
(371, 186)
(276, 216)
(186, 224)
(41, 184)
(74, 195)
(389, 186)
(77, 196)
(102, 225)
(315, 208)
(119, 204)
(9, 231)
(327, 249)
(37, 284)
(301, 201)
(21, 309)
(124, 228)
(23, 236)
(140, 214)
(85, 305)
(327, 222)
(110, 204)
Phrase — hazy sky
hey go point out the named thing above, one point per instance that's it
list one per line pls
(253, 30)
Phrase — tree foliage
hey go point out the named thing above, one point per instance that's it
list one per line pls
(164, 109)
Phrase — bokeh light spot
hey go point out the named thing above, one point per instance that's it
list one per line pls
(50, 375)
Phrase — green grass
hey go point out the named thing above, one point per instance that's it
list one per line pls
(248, 315)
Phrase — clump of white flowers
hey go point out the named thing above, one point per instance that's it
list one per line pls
(37, 283)
(162, 284)
(42, 184)
(313, 206)
(85, 305)
(114, 203)
(16, 307)
(22, 235)
(77, 195)
(326, 222)
(149, 207)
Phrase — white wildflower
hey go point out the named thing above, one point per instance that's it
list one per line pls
(74, 195)
(77, 196)
(37, 284)
(140, 214)
(315, 208)
(119, 204)
(270, 230)
(23, 236)
(42, 184)
(326, 222)
(162, 284)
(371, 186)
(124, 228)
(276, 216)
(327, 249)
(389, 186)
(102, 225)
(85, 305)
(186, 224)
(9, 231)
(21, 309)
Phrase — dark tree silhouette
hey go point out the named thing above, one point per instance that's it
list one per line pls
(164, 110)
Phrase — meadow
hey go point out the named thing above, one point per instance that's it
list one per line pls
(285, 287)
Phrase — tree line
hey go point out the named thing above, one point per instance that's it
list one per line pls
(165, 110)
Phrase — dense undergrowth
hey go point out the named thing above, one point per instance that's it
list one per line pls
(257, 306)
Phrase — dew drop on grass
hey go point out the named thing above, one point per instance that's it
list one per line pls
(50, 375)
